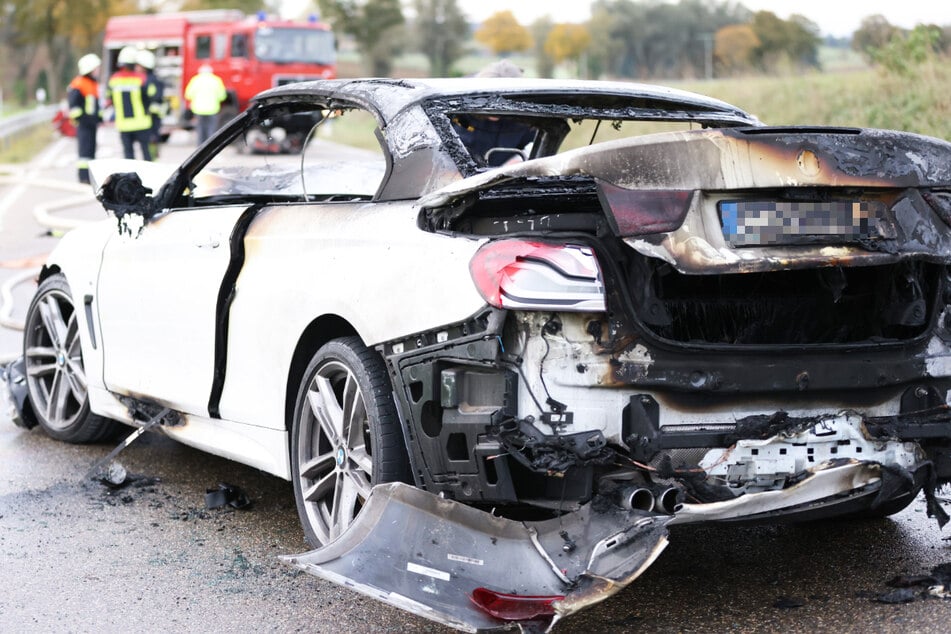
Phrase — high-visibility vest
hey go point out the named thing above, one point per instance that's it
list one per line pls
(125, 90)
(205, 91)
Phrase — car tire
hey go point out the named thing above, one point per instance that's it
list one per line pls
(345, 438)
(53, 364)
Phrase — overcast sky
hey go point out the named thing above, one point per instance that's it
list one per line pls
(834, 17)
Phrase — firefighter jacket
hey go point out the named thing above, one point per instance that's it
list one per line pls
(155, 95)
(127, 92)
(205, 92)
(82, 99)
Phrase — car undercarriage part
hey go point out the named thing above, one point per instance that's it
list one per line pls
(152, 422)
(844, 484)
(14, 392)
(474, 571)
(753, 465)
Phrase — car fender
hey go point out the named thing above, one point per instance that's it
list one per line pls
(78, 257)
(369, 265)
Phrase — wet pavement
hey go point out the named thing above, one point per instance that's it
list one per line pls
(150, 556)
(78, 556)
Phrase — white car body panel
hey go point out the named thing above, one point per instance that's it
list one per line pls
(169, 321)
(264, 449)
(277, 296)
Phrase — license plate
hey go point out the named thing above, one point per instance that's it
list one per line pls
(763, 223)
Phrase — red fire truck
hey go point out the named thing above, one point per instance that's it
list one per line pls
(249, 53)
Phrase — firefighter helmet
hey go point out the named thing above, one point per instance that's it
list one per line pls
(145, 59)
(88, 63)
(127, 55)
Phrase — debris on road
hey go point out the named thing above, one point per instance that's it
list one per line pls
(909, 588)
(227, 495)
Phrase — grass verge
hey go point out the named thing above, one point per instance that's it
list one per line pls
(22, 148)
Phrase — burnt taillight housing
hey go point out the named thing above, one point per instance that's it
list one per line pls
(513, 607)
(639, 212)
(529, 275)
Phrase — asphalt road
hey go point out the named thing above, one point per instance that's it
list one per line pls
(78, 556)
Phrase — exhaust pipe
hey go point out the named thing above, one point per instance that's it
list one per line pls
(668, 500)
(637, 499)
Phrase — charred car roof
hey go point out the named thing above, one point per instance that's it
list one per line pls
(389, 97)
(415, 117)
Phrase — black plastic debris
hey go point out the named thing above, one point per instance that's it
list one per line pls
(227, 495)
(13, 377)
(910, 581)
(901, 595)
(788, 603)
(912, 587)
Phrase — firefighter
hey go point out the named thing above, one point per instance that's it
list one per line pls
(127, 93)
(154, 95)
(205, 92)
(82, 99)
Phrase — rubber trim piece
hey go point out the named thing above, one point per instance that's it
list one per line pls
(223, 307)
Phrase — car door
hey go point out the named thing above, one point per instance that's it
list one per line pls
(158, 287)
(157, 298)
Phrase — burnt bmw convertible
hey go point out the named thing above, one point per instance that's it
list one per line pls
(522, 329)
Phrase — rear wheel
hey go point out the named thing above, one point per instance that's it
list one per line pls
(55, 376)
(346, 437)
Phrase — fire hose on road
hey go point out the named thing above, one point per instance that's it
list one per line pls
(19, 180)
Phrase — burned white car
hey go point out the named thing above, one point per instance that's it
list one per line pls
(528, 327)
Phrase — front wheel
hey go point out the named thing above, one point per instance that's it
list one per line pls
(346, 437)
(53, 359)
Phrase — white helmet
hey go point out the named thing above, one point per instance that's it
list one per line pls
(145, 59)
(127, 55)
(88, 63)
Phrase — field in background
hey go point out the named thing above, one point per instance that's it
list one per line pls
(869, 98)
(851, 96)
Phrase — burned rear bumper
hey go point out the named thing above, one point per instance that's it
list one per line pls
(474, 571)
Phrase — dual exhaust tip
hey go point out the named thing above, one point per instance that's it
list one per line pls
(659, 500)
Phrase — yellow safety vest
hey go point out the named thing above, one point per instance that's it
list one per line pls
(205, 92)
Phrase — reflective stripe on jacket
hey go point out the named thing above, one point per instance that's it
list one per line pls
(126, 93)
(155, 94)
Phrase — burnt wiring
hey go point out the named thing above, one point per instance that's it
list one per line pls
(551, 327)
(597, 127)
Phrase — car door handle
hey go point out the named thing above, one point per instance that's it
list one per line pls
(211, 242)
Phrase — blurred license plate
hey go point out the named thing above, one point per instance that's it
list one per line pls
(755, 223)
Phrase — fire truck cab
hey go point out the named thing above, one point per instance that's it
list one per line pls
(249, 53)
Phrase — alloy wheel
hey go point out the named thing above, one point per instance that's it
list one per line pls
(334, 453)
(54, 363)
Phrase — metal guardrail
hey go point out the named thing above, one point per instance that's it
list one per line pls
(22, 123)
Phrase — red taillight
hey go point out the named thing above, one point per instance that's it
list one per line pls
(538, 276)
(512, 607)
(639, 212)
